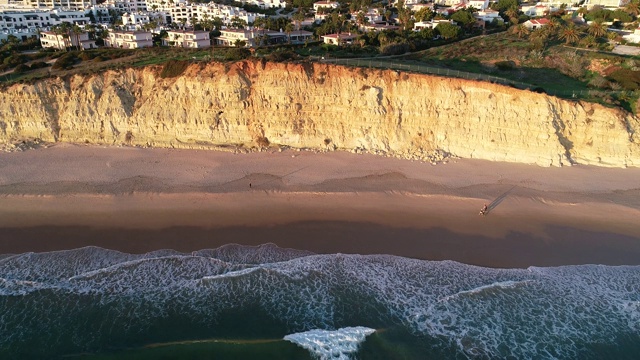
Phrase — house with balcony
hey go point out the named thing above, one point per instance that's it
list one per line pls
(187, 39)
(49, 39)
(229, 37)
(129, 39)
(21, 34)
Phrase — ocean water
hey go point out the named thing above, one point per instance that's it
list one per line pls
(265, 302)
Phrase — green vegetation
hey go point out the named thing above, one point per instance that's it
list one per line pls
(173, 68)
(557, 69)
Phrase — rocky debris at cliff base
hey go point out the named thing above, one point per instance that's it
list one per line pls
(24, 145)
(434, 157)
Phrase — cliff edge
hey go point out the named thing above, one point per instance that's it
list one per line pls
(319, 106)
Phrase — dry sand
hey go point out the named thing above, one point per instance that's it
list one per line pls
(137, 200)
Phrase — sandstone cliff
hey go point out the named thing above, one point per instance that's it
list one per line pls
(319, 106)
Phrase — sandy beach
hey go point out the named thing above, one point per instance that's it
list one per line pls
(138, 200)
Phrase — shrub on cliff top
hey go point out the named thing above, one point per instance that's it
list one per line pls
(282, 55)
(395, 49)
(626, 78)
(174, 68)
(236, 54)
(66, 61)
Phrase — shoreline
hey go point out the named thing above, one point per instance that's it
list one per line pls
(139, 200)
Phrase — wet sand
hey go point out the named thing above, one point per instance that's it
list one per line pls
(138, 200)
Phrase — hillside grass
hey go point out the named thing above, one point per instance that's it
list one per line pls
(557, 70)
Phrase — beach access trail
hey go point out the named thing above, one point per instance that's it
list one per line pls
(137, 200)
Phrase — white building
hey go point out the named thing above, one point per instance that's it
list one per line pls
(76, 17)
(101, 14)
(534, 24)
(136, 20)
(49, 39)
(300, 36)
(325, 4)
(606, 3)
(339, 39)
(478, 4)
(266, 4)
(419, 25)
(21, 34)
(488, 15)
(537, 10)
(633, 37)
(67, 4)
(187, 39)
(229, 37)
(14, 19)
(379, 27)
(129, 6)
(129, 39)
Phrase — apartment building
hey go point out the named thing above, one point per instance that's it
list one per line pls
(129, 39)
(49, 39)
(66, 4)
(187, 39)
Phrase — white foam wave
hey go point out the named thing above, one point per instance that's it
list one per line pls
(231, 274)
(331, 344)
(19, 287)
(492, 313)
(487, 288)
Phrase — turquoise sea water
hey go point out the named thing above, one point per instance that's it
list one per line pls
(265, 302)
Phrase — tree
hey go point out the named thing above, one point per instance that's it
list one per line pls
(238, 23)
(424, 14)
(512, 14)
(298, 18)
(91, 31)
(207, 23)
(193, 20)
(239, 43)
(588, 41)
(503, 5)
(361, 18)
(217, 22)
(288, 29)
(448, 30)
(633, 7)
(464, 17)
(520, 31)
(404, 15)
(76, 31)
(597, 29)
(539, 38)
(61, 30)
(570, 34)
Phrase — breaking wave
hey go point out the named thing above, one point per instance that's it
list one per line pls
(92, 299)
(326, 344)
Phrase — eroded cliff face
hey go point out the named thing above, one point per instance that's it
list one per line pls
(319, 106)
